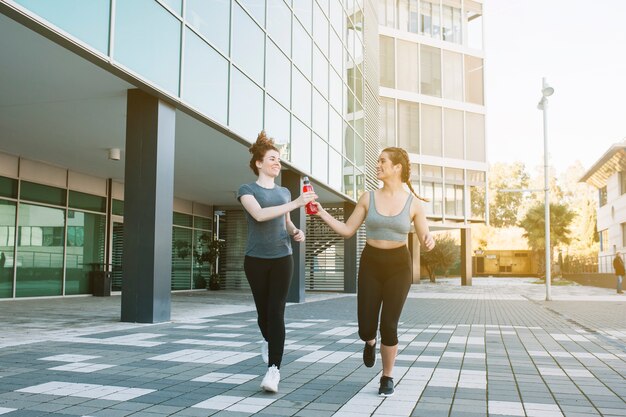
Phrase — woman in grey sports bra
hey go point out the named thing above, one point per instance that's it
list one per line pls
(385, 268)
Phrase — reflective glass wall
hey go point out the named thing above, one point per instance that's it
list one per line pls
(291, 67)
(432, 100)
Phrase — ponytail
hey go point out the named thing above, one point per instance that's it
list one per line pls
(399, 156)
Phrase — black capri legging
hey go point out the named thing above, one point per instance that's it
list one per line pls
(384, 278)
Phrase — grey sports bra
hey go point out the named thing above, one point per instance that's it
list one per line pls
(394, 228)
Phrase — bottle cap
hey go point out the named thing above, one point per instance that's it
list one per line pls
(305, 179)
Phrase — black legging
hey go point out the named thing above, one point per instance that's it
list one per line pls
(384, 278)
(269, 280)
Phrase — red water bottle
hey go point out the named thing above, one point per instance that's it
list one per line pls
(310, 207)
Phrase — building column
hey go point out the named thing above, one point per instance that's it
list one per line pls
(293, 182)
(414, 248)
(148, 207)
(466, 256)
(349, 255)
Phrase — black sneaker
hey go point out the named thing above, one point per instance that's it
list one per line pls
(386, 386)
(369, 355)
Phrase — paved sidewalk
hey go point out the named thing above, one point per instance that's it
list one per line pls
(495, 349)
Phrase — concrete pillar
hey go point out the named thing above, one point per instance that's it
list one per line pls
(148, 207)
(293, 182)
(466, 256)
(349, 255)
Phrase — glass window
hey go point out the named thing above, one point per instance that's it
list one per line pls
(335, 126)
(335, 169)
(147, 41)
(387, 130)
(42, 193)
(277, 125)
(336, 52)
(336, 89)
(7, 246)
(474, 79)
(436, 20)
(204, 223)
(336, 16)
(452, 21)
(474, 20)
(302, 54)
(604, 240)
(175, 5)
(117, 207)
(359, 152)
(320, 29)
(348, 142)
(430, 19)
(431, 130)
(320, 115)
(278, 76)
(40, 242)
(432, 189)
(452, 75)
(248, 45)
(403, 15)
(182, 219)
(182, 257)
(453, 133)
(454, 192)
(407, 66)
(475, 137)
(246, 106)
(477, 187)
(85, 20)
(303, 9)
(623, 234)
(300, 145)
(301, 97)
(87, 201)
(256, 9)
(387, 62)
(386, 12)
(430, 66)
(408, 126)
(320, 72)
(602, 196)
(319, 167)
(86, 233)
(211, 19)
(8, 187)
(205, 78)
(348, 178)
(279, 24)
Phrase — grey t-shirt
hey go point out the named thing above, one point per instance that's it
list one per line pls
(268, 239)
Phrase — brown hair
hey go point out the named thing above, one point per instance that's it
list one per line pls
(259, 149)
(399, 156)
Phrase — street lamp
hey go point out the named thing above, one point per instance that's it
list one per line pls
(546, 91)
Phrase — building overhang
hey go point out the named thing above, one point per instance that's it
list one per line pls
(613, 160)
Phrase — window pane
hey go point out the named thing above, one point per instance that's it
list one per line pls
(452, 75)
(248, 44)
(182, 257)
(336, 52)
(204, 223)
(303, 9)
(320, 115)
(279, 24)
(453, 128)
(278, 78)
(86, 20)
(175, 5)
(7, 245)
(8, 187)
(320, 29)
(387, 62)
(147, 40)
(117, 207)
(246, 106)
(335, 169)
(42, 193)
(336, 89)
(407, 66)
(211, 19)
(320, 72)
(87, 201)
(475, 136)
(408, 126)
(387, 130)
(431, 130)
(473, 79)
(302, 54)
(256, 9)
(452, 21)
(320, 161)
(430, 65)
(205, 78)
(40, 251)
(301, 97)
(335, 134)
(85, 246)
(182, 219)
(348, 142)
(474, 19)
(300, 145)
(277, 125)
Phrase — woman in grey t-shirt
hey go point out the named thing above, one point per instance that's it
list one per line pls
(268, 263)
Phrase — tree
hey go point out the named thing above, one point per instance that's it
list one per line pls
(504, 207)
(442, 256)
(560, 221)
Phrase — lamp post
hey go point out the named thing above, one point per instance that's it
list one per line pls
(546, 91)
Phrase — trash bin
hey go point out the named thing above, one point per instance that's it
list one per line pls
(100, 279)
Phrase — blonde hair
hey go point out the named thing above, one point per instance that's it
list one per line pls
(400, 156)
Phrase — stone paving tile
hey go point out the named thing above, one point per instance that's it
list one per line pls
(490, 349)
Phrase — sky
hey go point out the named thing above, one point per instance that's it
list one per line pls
(579, 46)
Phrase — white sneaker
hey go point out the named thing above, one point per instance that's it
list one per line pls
(264, 351)
(271, 379)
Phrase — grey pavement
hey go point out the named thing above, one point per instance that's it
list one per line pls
(495, 348)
